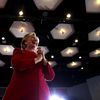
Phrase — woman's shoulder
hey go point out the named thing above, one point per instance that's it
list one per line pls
(20, 50)
(17, 50)
(23, 51)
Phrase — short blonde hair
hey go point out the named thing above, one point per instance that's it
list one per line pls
(32, 34)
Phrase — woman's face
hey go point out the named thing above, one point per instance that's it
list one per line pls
(31, 43)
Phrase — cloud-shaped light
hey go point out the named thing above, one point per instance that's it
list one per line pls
(47, 4)
(20, 28)
(52, 63)
(45, 49)
(1, 63)
(94, 35)
(92, 6)
(6, 49)
(74, 64)
(62, 31)
(69, 51)
(95, 53)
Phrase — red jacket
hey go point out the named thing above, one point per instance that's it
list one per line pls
(28, 81)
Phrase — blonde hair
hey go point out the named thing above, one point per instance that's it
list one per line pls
(32, 34)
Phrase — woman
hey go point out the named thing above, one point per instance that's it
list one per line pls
(30, 72)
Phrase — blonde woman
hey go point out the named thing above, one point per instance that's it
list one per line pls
(30, 72)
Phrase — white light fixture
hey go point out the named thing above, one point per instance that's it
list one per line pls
(95, 53)
(20, 28)
(45, 49)
(98, 32)
(52, 63)
(69, 51)
(62, 31)
(11, 67)
(21, 13)
(76, 40)
(3, 38)
(1, 63)
(52, 56)
(82, 68)
(80, 57)
(56, 97)
(74, 64)
(68, 16)
(94, 35)
(92, 6)
(6, 49)
(3, 3)
(47, 4)
(98, 2)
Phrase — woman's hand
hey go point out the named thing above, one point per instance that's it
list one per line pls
(39, 57)
(40, 52)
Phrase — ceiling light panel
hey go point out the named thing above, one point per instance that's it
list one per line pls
(45, 49)
(69, 51)
(20, 28)
(92, 6)
(95, 53)
(94, 35)
(1, 63)
(6, 49)
(47, 4)
(62, 31)
(74, 64)
(52, 63)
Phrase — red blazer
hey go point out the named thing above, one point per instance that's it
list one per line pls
(28, 81)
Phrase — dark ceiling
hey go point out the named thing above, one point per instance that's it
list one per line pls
(44, 21)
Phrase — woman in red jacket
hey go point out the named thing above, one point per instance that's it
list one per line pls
(30, 72)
